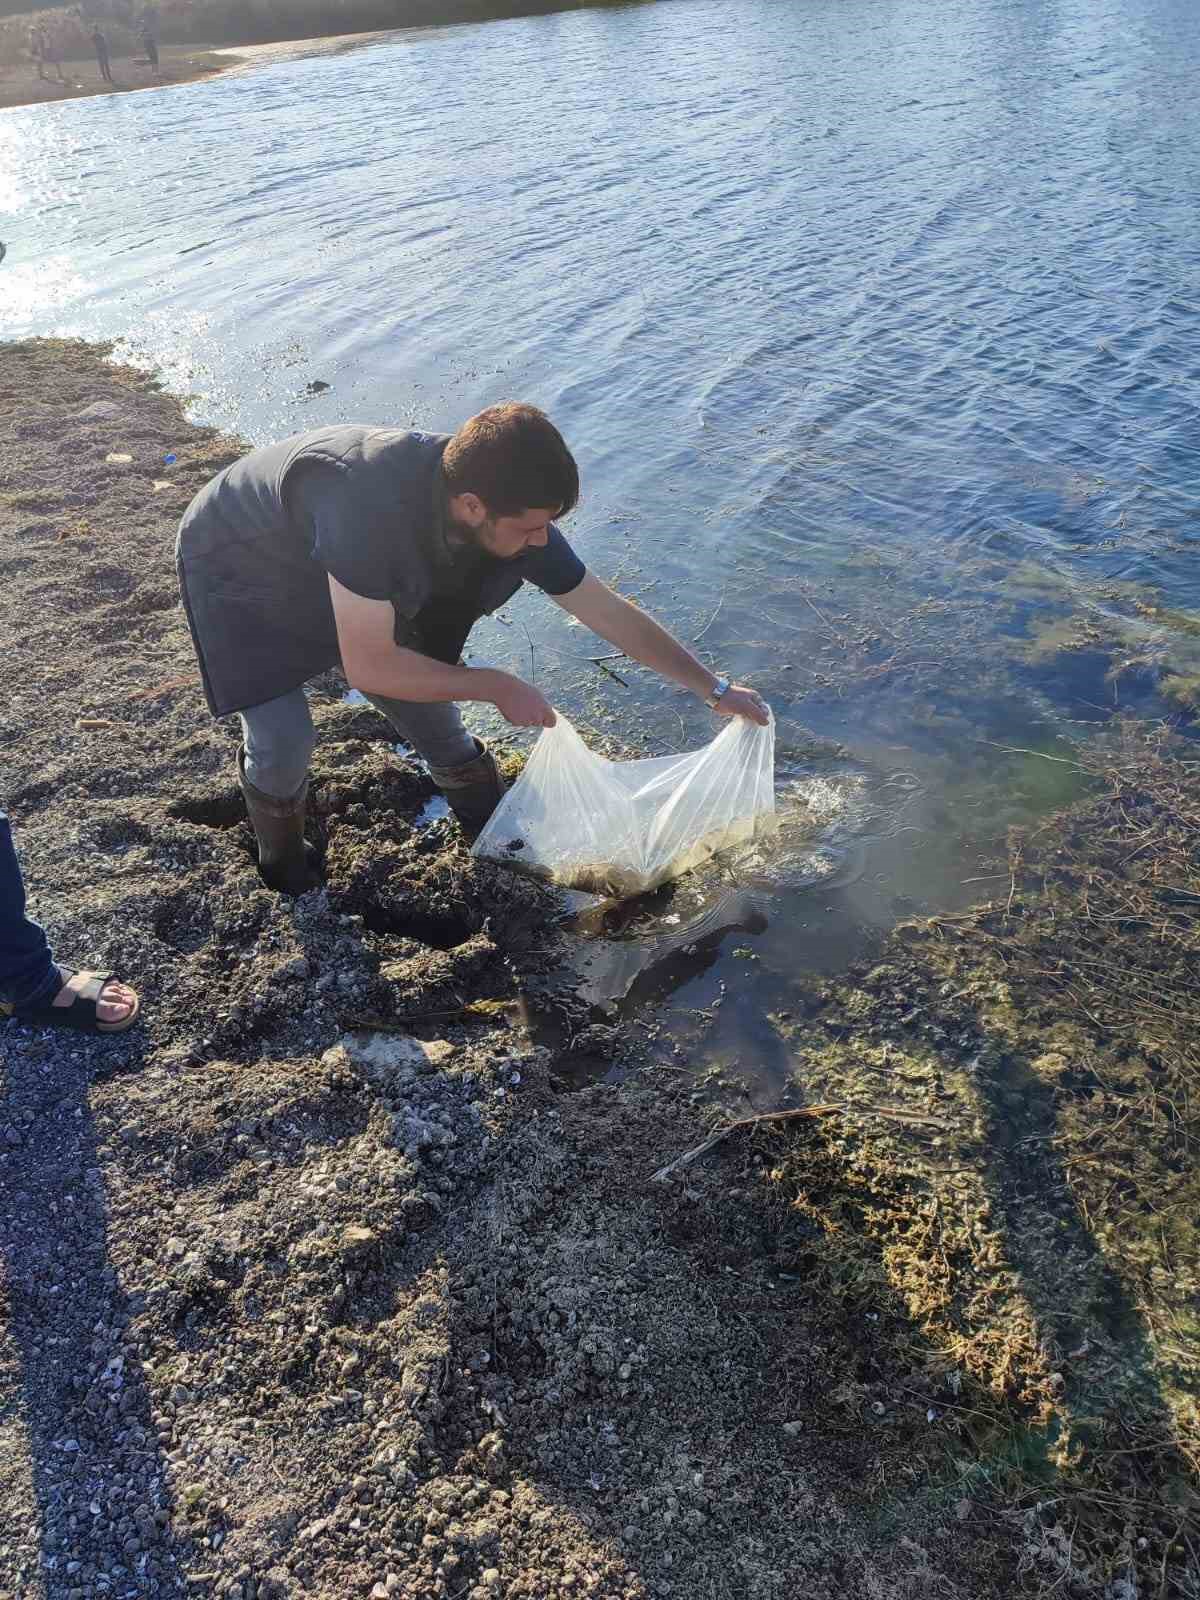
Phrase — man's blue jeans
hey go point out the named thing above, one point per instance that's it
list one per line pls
(28, 976)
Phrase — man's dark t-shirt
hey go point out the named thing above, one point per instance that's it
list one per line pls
(365, 505)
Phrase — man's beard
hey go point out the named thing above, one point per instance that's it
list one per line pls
(463, 537)
(469, 539)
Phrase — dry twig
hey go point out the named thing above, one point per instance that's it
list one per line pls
(802, 1112)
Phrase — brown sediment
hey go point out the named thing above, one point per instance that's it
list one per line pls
(318, 1283)
(619, 881)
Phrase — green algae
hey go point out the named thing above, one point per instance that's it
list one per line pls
(1050, 637)
(1182, 622)
(1183, 690)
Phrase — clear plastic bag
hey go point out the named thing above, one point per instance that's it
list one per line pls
(620, 828)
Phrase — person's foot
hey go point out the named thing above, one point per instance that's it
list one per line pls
(116, 1002)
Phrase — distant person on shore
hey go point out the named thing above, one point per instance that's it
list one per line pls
(101, 45)
(150, 45)
(32, 987)
(37, 50)
(51, 54)
(378, 550)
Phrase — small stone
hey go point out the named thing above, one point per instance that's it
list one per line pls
(176, 1247)
(793, 1429)
(438, 1051)
(490, 1577)
(388, 1059)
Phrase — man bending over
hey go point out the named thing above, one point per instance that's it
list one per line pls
(379, 550)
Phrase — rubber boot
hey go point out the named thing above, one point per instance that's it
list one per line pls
(286, 861)
(472, 791)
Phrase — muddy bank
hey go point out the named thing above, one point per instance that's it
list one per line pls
(321, 1284)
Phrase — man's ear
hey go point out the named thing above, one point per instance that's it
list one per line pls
(468, 508)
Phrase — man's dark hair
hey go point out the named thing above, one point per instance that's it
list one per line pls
(514, 459)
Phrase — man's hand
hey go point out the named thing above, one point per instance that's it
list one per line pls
(518, 702)
(739, 701)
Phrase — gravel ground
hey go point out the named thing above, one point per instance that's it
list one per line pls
(318, 1283)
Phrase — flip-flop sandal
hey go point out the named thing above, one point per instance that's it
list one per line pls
(80, 1014)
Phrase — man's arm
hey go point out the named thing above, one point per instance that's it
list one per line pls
(629, 628)
(375, 664)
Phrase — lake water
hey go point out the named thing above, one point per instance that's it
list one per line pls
(872, 322)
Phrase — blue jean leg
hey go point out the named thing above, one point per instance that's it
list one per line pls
(28, 976)
(435, 730)
(278, 737)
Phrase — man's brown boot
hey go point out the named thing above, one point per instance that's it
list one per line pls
(473, 791)
(286, 861)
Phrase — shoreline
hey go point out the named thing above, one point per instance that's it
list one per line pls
(191, 62)
(347, 1307)
(180, 64)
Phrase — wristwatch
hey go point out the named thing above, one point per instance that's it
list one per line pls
(719, 689)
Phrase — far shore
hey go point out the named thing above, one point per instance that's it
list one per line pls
(178, 64)
(297, 30)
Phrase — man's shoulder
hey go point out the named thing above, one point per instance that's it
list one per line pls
(361, 447)
(378, 480)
